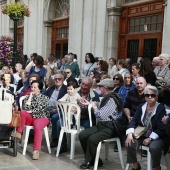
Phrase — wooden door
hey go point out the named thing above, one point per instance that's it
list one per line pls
(60, 38)
(148, 45)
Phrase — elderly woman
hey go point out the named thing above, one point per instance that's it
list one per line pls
(148, 115)
(162, 71)
(35, 114)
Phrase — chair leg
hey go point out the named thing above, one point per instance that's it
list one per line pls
(27, 130)
(73, 139)
(127, 167)
(106, 150)
(149, 166)
(59, 142)
(47, 139)
(97, 156)
(120, 152)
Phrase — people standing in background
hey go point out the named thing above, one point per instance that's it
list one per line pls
(113, 68)
(129, 64)
(18, 68)
(135, 71)
(121, 65)
(73, 66)
(90, 64)
(31, 63)
(38, 68)
(63, 63)
(51, 61)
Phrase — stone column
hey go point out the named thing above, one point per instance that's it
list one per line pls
(114, 14)
(166, 28)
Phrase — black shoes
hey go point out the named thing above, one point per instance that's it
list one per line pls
(54, 143)
(139, 167)
(62, 150)
(86, 165)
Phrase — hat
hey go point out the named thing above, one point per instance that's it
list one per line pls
(106, 82)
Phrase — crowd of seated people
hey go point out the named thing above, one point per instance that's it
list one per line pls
(139, 85)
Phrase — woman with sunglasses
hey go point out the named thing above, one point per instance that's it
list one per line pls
(118, 82)
(148, 115)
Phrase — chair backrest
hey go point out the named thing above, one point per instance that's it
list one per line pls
(21, 101)
(66, 115)
(6, 105)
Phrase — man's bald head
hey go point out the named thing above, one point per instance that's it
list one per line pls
(140, 84)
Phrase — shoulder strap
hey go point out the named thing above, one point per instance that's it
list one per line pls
(88, 70)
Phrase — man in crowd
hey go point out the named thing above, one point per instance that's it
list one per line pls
(69, 77)
(134, 98)
(110, 106)
(73, 66)
(18, 68)
(54, 93)
(6, 70)
(87, 93)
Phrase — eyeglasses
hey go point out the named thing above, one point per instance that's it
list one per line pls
(115, 78)
(59, 79)
(67, 72)
(150, 95)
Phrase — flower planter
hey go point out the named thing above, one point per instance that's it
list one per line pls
(15, 17)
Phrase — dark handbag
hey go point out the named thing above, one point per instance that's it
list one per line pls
(120, 125)
(16, 118)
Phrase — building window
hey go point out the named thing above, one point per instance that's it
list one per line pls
(62, 33)
(148, 23)
(62, 8)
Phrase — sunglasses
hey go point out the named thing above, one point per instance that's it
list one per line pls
(150, 95)
(59, 79)
(115, 78)
(67, 72)
(3, 79)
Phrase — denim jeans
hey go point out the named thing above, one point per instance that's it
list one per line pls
(54, 119)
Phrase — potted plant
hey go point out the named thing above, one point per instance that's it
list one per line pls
(16, 10)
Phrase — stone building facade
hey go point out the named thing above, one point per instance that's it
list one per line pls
(101, 27)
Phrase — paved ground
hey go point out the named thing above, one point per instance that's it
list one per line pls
(50, 161)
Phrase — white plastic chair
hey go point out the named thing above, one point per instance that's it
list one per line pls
(27, 130)
(117, 140)
(66, 123)
(149, 166)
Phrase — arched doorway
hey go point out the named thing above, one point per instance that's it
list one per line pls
(60, 29)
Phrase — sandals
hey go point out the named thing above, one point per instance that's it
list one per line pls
(139, 167)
